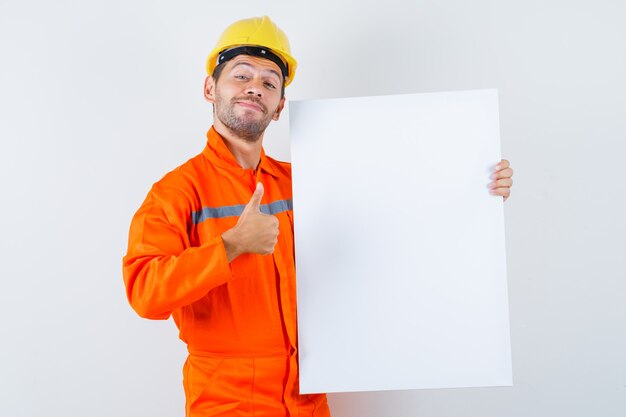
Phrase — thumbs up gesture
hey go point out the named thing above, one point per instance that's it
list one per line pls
(255, 232)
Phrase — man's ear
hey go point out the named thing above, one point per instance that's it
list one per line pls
(209, 89)
(279, 109)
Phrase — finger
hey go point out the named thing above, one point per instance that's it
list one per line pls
(255, 200)
(502, 191)
(276, 225)
(503, 173)
(501, 165)
(505, 182)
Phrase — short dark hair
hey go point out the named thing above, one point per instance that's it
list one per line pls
(217, 72)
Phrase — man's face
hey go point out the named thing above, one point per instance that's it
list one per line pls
(247, 96)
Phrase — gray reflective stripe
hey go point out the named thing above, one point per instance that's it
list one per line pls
(216, 213)
(277, 207)
(230, 211)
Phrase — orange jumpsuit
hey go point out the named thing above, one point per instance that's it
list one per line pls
(239, 319)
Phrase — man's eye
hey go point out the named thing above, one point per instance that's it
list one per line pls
(270, 85)
(241, 77)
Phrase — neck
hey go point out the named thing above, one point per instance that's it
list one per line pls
(246, 152)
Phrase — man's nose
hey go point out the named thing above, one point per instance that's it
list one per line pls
(254, 87)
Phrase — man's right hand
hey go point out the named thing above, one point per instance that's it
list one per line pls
(255, 232)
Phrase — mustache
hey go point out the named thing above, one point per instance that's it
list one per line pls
(250, 99)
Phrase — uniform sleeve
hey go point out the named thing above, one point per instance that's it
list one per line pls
(162, 272)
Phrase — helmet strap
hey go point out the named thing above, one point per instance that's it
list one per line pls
(229, 54)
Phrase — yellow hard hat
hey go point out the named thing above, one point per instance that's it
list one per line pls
(257, 36)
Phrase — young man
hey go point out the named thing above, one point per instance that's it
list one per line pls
(212, 244)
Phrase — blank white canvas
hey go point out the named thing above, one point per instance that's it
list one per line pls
(400, 253)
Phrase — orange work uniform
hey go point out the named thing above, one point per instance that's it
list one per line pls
(238, 319)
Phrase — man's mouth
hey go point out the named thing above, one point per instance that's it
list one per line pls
(251, 105)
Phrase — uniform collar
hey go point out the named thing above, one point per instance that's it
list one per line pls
(217, 152)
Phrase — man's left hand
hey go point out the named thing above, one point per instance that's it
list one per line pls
(501, 180)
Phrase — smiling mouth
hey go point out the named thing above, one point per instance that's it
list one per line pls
(251, 105)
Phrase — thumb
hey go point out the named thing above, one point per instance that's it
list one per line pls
(255, 200)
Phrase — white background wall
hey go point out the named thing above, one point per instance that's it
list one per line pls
(98, 99)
